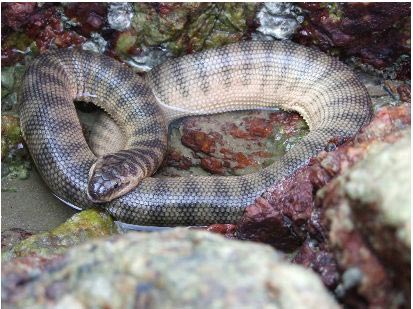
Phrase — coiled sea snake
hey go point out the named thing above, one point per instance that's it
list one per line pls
(246, 75)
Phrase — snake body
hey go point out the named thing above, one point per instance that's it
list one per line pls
(246, 75)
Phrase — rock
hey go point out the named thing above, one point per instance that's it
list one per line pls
(15, 15)
(319, 258)
(14, 154)
(90, 16)
(10, 83)
(174, 269)
(120, 15)
(11, 237)
(96, 43)
(366, 213)
(88, 224)
(284, 215)
(404, 93)
(45, 27)
(231, 143)
(376, 34)
(277, 20)
(188, 27)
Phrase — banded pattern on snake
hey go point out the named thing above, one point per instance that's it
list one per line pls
(246, 75)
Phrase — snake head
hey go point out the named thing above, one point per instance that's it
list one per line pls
(111, 177)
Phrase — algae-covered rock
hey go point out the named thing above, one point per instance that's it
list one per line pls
(366, 212)
(86, 225)
(10, 83)
(175, 269)
(187, 27)
(14, 154)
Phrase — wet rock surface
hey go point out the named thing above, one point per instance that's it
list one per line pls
(366, 213)
(374, 34)
(231, 143)
(277, 20)
(190, 27)
(350, 230)
(178, 268)
(86, 225)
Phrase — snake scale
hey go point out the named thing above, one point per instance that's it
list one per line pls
(242, 76)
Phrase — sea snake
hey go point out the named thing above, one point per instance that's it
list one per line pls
(243, 76)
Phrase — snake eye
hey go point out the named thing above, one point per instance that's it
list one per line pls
(116, 185)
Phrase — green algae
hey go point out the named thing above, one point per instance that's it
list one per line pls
(17, 40)
(125, 42)
(189, 27)
(88, 224)
(15, 158)
(11, 78)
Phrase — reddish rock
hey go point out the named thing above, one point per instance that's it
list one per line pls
(212, 165)
(235, 131)
(321, 261)
(10, 56)
(198, 140)
(280, 217)
(242, 160)
(15, 15)
(69, 38)
(404, 93)
(91, 16)
(176, 159)
(228, 230)
(23, 269)
(44, 19)
(386, 121)
(258, 127)
(363, 273)
(45, 27)
(264, 222)
(377, 33)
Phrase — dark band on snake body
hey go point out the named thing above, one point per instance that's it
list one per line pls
(247, 75)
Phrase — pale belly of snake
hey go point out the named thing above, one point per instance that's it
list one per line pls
(243, 76)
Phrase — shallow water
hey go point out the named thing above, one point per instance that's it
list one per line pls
(29, 205)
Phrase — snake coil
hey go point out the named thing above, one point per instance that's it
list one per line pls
(247, 75)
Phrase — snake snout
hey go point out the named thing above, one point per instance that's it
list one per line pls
(110, 178)
(101, 190)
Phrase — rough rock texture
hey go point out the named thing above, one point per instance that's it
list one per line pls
(377, 34)
(232, 143)
(14, 154)
(174, 269)
(120, 15)
(86, 225)
(10, 83)
(11, 237)
(91, 17)
(319, 258)
(281, 217)
(366, 213)
(277, 20)
(189, 27)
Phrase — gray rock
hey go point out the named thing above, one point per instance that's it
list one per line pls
(366, 212)
(120, 15)
(174, 269)
(278, 20)
(96, 43)
(381, 184)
